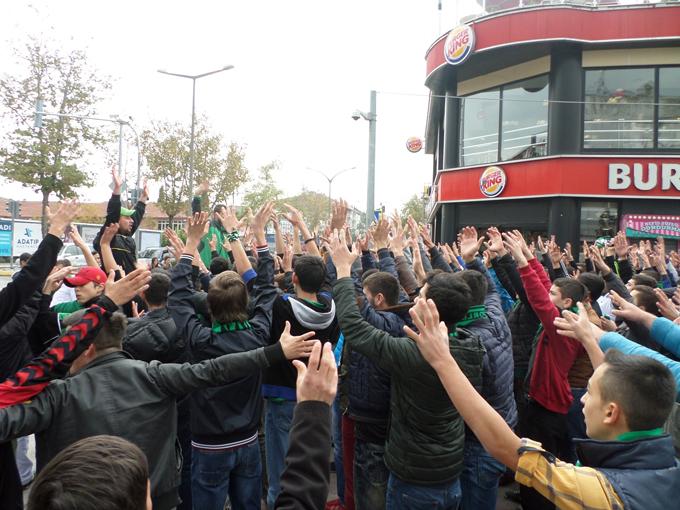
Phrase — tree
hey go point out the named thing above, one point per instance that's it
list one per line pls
(312, 204)
(415, 207)
(264, 189)
(166, 149)
(45, 158)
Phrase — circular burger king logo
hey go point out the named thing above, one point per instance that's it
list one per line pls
(492, 182)
(414, 144)
(460, 43)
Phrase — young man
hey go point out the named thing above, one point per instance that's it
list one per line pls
(23, 260)
(225, 420)
(82, 473)
(308, 310)
(216, 229)
(123, 244)
(486, 319)
(553, 356)
(627, 463)
(424, 449)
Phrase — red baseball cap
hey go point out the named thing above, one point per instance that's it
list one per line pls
(86, 275)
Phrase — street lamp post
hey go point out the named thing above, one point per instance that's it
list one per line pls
(371, 117)
(193, 78)
(330, 183)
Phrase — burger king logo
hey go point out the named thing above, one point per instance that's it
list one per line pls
(414, 144)
(460, 43)
(492, 182)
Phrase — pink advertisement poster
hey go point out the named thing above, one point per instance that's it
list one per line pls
(650, 225)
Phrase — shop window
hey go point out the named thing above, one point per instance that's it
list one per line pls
(598, 219)
(525, 119)
(669, 114)
(619, 111)
(479, 128)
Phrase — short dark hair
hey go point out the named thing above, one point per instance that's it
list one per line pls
(645, 298)
(63, 263)
(594, 283)
(157, 293)
(478, 284)
(218, 208)
(110, 335)
(652, 273)
(24, 257)
(228, 298)
(310, 272)
(643, 387)
(450, 294)
(219, 265)
(571, 288)
(644, 279)
(95, 473)
(368, 273)
(383, 283)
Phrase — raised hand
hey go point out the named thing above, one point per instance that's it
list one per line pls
(144, 197)
(425, 235)
(177, 245)
(202, 189)
(666, 306)
(513, 244)
(56, 278)
(213, 243)
(259, 222)
(621, 245)
(339, 214)
(627, 311)
(432, 338)
(108, 234)
(380, 234)
(228, 219)
(343, 258)
(318, 381)
(136, 314)
(296, 346)
(63, 217)
(495, 244)
(196, 228)
(117, 180)
(288, 259)
(125, 289)
(469, 243)
(294, 216)
(75, 237)
(576, 326)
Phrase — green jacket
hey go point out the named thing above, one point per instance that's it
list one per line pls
(65, 309)
(204, 246)
(427, 435)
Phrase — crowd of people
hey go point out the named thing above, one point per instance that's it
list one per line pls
(239, 374)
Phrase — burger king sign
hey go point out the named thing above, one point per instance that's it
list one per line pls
(459, 44)
(492, 182)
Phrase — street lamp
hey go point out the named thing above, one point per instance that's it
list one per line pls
(371, 117)
(330, 183)
(193, 78)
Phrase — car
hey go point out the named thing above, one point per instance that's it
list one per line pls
(145, 256)
(73, 254)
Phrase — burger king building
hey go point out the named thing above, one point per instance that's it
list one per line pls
(558, 119)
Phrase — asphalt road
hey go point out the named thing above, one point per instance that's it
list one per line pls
(3, 281)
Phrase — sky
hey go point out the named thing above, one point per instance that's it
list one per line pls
(300, 69)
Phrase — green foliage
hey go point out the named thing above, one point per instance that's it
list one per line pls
(264, 189)
(45, 159)
(166, 149)
(313, 205)
(415, 207)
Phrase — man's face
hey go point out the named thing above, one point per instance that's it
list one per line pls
(630, 285)
(595, 409)
(125, 225)
(89, 291)
(221, 210)
(558, 300)
(377, 301)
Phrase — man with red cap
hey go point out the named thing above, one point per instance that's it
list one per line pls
(123, 244)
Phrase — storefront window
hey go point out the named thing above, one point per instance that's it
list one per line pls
(479, 128)
(619, 111)
(598, 219)
(669, 114)
(525, 119)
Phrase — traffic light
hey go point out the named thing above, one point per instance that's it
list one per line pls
(38, 115)
(14, 208)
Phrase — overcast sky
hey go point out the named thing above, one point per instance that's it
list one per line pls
(301, 69)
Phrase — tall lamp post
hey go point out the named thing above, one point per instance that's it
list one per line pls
(330, 183)
(193, 78)
(371, 117)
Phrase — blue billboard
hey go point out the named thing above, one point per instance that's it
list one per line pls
(5, 238)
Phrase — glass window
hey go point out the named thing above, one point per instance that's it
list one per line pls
(479, 128)
(525, 119)
(598, 219)
(669, 114)
(617, 120)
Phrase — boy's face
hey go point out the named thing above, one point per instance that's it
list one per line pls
(558, 300)
(597, 412)
(90, 290)
(125, 225)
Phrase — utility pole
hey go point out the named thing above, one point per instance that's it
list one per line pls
(372, 117)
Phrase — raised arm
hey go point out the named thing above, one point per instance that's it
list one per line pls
(78, 241)
(105, 251)
(295, 218)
